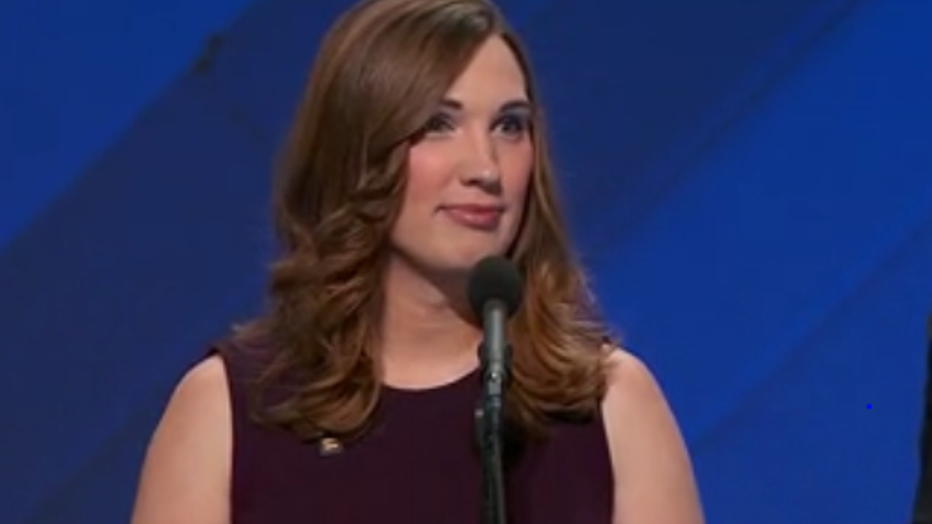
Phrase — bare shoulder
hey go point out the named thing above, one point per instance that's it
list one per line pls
(654, 480)
(186, 473)
(629, 378)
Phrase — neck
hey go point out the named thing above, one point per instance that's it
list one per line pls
(427, 336)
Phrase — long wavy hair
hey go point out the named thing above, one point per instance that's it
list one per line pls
(380, 73)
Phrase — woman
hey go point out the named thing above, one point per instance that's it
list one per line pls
(418, 150)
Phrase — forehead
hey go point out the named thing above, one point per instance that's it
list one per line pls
(492, 75)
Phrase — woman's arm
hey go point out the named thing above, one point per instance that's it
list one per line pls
(653, 474)
(186, 473)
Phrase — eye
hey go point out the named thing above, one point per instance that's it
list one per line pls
(513, 125)
(439, 123)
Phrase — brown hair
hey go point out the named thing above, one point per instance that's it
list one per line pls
(380, 73)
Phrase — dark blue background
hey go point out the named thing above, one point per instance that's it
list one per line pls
(750, 183)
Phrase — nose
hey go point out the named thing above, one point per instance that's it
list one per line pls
(480, 163)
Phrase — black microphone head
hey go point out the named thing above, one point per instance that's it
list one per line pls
(494, 278)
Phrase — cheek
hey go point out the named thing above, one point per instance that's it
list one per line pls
(424, 174)
(517, 168)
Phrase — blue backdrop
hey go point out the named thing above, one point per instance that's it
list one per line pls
(750, 183)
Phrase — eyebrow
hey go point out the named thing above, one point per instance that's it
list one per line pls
(518, 104)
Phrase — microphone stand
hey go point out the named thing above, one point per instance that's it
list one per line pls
(495, 360)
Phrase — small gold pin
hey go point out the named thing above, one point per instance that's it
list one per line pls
(329, 446)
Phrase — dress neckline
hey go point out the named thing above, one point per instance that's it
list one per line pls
(457, 383)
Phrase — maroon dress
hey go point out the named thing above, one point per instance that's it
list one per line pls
(417, 465)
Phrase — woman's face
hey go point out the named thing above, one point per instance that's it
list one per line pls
(468, 177)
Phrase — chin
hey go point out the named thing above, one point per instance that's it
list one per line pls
(470, 257)
(459, 264)
(449, 258)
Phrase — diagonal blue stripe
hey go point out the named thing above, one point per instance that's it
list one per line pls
(770, 364)
(682, 156)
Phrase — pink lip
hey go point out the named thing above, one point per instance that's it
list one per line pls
(475, 216)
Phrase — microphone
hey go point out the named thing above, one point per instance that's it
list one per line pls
(494, 291)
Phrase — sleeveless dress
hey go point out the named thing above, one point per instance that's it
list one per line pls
(418, 464)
